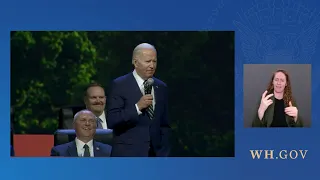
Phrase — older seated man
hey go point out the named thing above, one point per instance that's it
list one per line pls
(83, 146)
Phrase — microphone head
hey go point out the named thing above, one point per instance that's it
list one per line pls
(150, 81)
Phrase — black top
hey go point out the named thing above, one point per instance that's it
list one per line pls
(279, 116)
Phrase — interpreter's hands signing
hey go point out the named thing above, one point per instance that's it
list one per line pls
(291, 111)
(265, 101)
(264, 104)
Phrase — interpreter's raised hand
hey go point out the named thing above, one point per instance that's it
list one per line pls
(291, 111)
(265, 101)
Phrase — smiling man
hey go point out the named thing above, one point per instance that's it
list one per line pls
(95, 101)
(83, 146)
(138, 109)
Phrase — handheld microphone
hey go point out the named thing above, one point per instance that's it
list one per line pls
(148, 86)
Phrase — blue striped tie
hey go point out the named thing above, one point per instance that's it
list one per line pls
(147, 90)
(99, 123)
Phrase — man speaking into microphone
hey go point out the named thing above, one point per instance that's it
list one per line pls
(137, 109)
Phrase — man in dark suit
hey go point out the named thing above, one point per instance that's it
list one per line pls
(83, 146)
(95, 100)
(139, 120)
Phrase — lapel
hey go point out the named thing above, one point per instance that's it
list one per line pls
(137, 91)
(72, 149)
(156, 95)
(137, 94)
(97, 150)
(270, 111)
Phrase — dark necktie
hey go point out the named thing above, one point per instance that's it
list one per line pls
(99, 123)
(147, 90)
(86, 151)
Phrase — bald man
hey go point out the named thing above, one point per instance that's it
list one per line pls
(137, 109)
(85, 125)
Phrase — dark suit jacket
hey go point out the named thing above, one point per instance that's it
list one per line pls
(70, 150)
(133, 133)
(268, 117)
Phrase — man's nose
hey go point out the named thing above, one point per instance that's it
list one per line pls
(152, 65)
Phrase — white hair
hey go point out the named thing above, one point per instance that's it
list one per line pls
(140, 47)
(85, 111)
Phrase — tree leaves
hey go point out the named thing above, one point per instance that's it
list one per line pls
(46, 68)
(51, 68)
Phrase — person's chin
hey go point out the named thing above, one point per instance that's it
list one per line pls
(87, 135)
(278, 91)
(98, 109)
(150, 74)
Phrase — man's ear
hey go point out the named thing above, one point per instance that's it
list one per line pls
(135, 62)
(85, 100)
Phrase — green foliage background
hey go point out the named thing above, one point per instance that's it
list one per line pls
(50, 69)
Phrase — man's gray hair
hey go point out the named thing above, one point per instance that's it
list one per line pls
(140, 47)
(85, 111)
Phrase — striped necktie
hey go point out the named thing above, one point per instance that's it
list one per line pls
(99, 123)
(147, 90)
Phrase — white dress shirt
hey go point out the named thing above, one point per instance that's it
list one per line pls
(141, 86)
(80, 148)
(104, 121)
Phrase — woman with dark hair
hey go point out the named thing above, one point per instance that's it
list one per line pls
(277, 106)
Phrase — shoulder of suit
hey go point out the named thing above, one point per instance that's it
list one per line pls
(122, 78)
(65, 145)
(125, 77)
(101, 144)
(159, 82)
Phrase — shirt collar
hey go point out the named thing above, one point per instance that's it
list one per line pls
(80, 144)
(103, 116)
(139, 80)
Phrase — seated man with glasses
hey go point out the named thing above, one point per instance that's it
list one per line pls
(85, 125)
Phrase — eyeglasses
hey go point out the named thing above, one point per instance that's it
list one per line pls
(91, 121)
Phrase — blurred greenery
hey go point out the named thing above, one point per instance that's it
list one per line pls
(50, 70)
